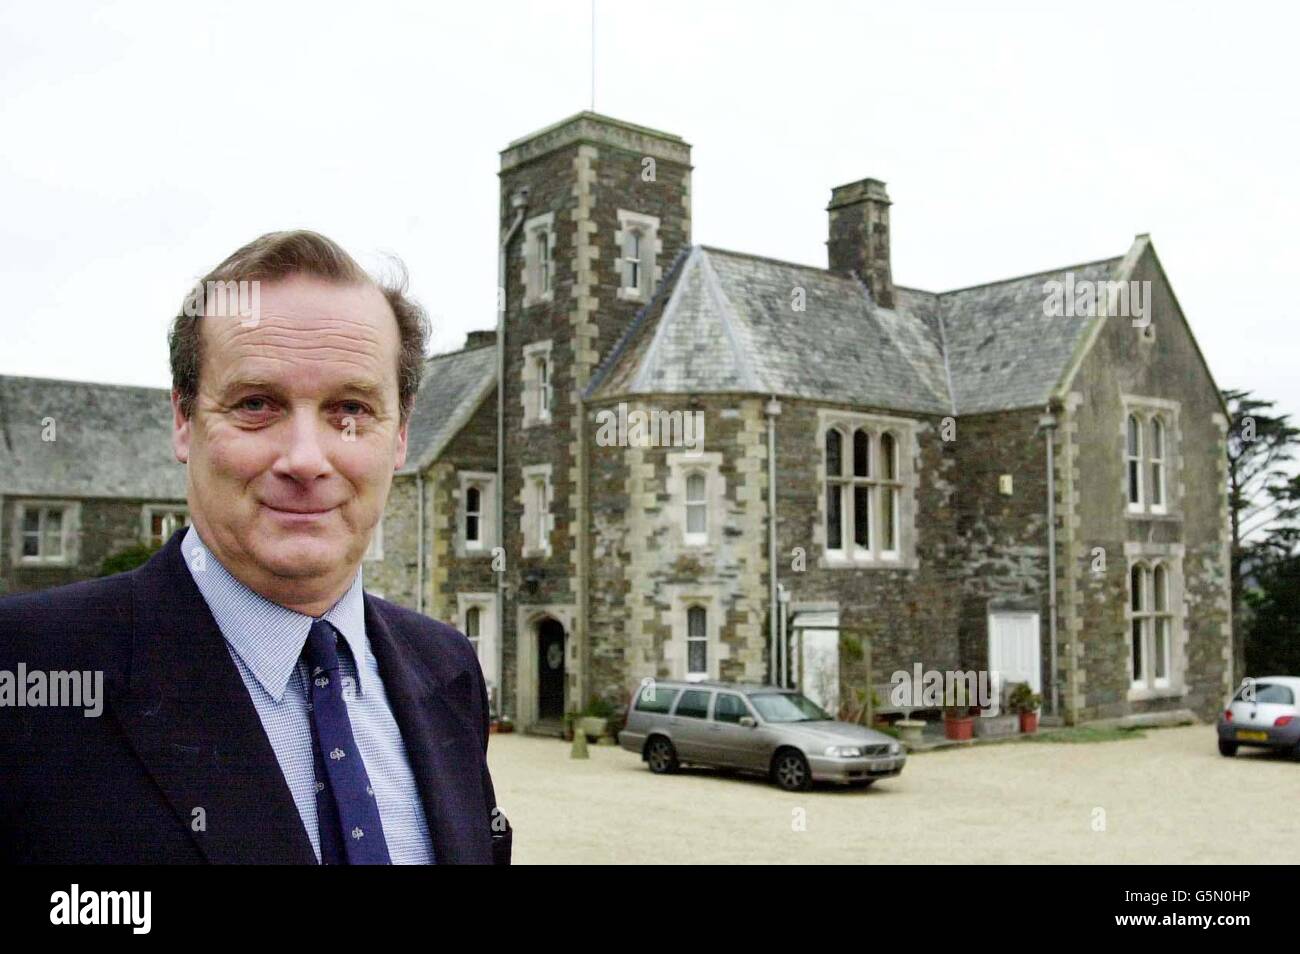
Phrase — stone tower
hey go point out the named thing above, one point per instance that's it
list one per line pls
(603, 209)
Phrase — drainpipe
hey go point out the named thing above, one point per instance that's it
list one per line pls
(518, 202)
(772, 409)
(1048, 424)
(419, 535)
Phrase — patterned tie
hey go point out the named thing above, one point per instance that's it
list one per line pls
(351, 832)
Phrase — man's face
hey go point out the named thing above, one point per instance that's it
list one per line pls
(295, 436)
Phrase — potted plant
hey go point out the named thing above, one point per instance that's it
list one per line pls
(958, 723)
(1026, 702)
(594, 719)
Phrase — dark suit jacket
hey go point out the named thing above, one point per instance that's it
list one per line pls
(177, 768)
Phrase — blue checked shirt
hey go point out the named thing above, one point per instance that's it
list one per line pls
(266, 640)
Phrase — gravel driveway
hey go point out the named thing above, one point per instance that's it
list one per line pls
(1168, 797)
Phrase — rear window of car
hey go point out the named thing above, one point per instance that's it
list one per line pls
(694, 704)
(655, 699)
(1267, 692)
(729, 708)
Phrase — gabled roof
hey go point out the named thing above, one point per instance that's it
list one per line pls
(109, 440)
(729, 324)
(1003, 351)
(454, 385)
(724, 322)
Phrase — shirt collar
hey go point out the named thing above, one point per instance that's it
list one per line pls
(268, 637)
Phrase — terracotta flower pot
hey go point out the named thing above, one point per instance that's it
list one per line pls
(1028, 722)
(959, 728)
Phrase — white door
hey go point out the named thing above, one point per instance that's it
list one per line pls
(819, 667)
(1014, 641)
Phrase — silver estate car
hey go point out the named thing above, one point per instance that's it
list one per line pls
(765, 729)
(1265, 712)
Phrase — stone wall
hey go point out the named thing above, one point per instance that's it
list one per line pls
(1169, 369)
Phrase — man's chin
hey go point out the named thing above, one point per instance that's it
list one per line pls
(302, 557)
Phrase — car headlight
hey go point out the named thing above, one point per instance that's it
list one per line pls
(895, 748)
(843, 751)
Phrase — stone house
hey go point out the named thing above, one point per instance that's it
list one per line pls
(963, 480)
(1027, 476)
(86, 470)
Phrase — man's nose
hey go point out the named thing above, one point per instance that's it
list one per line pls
(305, 455)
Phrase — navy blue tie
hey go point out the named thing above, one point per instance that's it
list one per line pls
(351, 832)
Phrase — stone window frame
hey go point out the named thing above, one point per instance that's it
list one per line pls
(150, 510)
(1145, 411)
(485, 481)
(538, 395)
(539, 286)
(677, 651)
(650, 253)
(904, 431)
(485, 603)
(536, 475)
(681, 465)
(69, 535)
(1146, 557)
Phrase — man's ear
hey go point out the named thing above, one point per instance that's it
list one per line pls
(180, 430)
(402, 431)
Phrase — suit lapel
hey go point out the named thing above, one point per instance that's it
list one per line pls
(188, 716)
(431, 702)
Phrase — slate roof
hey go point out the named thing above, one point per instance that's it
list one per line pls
(454, 384)
(110, 441)
(115, 442)
(1003, 352)
(724, 322)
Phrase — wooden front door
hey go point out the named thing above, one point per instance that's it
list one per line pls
(550, 670)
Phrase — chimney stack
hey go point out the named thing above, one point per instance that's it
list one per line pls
(859, 236)
(481, 339)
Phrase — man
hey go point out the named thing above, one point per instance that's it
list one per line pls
(261, 708)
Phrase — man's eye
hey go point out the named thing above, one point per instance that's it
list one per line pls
(252, 404)
(352, 408)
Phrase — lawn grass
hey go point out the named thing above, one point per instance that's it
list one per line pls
(1084, 734)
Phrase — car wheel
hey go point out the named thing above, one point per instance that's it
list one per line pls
(790, 771)
(661, 756)
(1227, 748)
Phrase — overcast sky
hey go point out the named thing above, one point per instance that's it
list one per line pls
(142, 142)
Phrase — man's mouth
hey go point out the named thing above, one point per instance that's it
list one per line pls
(298, 512)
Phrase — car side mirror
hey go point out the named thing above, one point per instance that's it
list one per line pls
(748, 722)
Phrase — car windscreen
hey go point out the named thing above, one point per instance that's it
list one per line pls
(787, 707)
(1266, 692)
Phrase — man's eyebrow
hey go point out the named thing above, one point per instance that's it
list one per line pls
(362, 387)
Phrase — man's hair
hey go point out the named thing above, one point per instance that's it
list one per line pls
(279, 255)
